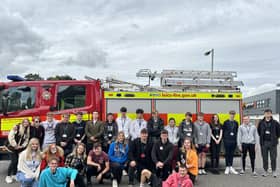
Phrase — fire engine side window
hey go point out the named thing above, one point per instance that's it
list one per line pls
(21, 98)
(69, 97)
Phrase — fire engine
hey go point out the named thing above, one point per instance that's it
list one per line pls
(180, 91)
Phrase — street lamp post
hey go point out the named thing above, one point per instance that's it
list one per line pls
(212, 58)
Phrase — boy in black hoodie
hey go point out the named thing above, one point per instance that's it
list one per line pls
(162, 155)
(139, 156)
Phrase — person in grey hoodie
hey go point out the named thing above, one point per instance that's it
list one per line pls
(202, 140)
(247, 137)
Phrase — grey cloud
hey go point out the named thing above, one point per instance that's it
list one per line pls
(19, 44)
(92, 57)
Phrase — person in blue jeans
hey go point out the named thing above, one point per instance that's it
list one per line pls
(118, 153)
(29, 164)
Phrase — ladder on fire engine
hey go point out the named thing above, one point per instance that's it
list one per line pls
(178, 80)
(190, 80)
(119, 85)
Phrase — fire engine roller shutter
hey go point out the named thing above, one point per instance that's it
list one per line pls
(221, 107)
(114, 105)
(175, 108)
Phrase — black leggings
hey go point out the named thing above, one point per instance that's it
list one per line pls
(215, 154)
(252, 154)
(192, 177)
(12, 170)
(116, 170)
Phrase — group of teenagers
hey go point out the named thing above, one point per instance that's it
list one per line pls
(60, 153)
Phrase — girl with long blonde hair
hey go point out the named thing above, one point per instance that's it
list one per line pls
(29, 164)
(17, 141)
(118, 153)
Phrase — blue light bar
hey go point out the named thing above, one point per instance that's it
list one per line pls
(15, 78)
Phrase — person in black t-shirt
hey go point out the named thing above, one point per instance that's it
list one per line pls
(230, 129)
(110, 132)
(216, 138)
(79, 125)
(64, 134)
(37, 130)
(154, 126)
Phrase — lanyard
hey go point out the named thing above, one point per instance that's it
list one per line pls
(231, 126)
(65, 128)
(139, 121)
(123, 122)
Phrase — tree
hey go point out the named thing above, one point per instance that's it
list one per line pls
(61, 77)
(33, 77)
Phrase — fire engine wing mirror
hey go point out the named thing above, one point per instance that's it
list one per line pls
(5, 101)
(2, 87)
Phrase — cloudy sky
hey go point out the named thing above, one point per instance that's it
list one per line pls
(116, 38)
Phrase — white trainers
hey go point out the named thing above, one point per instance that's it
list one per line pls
(232, 170)
(255, 174)
(114, 183)
(124, 173)
(265, 174)
(274, 174)
(203, 172)
(242, 172)
(200, 172)
(14, 177)
(9, 179)
(227, 171)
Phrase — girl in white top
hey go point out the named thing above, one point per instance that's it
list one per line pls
(29, 164)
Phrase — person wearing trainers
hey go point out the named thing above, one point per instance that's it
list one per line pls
(202, 140)
(17, 141)
(118, 153)
(97, 164)
(216, 137)
(247, 142)
(162, 155)
(29, 164)
(230, 129)
(269, 132)
(187, 156)
(139, 156)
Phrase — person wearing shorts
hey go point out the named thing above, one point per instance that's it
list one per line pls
(202, 141)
